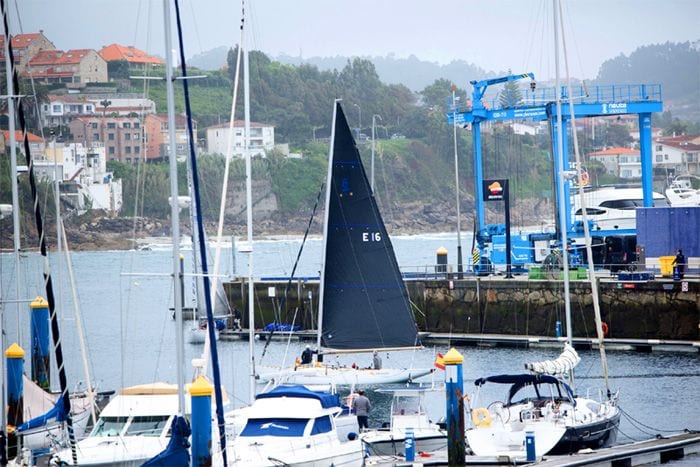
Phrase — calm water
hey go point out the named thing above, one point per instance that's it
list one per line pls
(131, 335)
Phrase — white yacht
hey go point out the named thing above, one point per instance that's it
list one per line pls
(680, 191)
(131, 429)
(613, 208)
(295, 426)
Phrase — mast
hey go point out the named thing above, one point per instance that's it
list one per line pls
(586, 230)
(202, 242)
(329, 184)
(249, 216)
(560, 190)
(174, 210)
(55, 331)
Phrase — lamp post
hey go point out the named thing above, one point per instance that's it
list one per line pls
(460, 271)
(374, 118)
(359, 120)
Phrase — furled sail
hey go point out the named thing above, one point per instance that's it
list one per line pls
(365, 302)
(563, 364)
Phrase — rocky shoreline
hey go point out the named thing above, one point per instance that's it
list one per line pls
(126, 233)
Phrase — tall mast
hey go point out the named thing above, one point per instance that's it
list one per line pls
(249, 213)
(174, 210)
(563, 203)
(329, 187)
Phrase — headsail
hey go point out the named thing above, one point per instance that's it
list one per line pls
(365, 302)
(565, 363)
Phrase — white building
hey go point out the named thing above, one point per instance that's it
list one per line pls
(262, 138)
(677, 154)
(62, 109)
(622, 162)
(83, 175)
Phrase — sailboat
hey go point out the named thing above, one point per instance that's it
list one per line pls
(542, 401)
(364, 303)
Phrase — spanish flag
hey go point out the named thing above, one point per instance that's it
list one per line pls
(439, 362)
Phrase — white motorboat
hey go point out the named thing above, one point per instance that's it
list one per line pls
(408, 413)
(680, 191)
(294, 426)
(363, 303)
(613, 208)
(132, 428)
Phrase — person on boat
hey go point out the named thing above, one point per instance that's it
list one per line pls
(679, 263)
(236, 318)
(376, 361)
(306, 356)
(361, 407)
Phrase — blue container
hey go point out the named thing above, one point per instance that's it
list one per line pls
(409, 446)
(558, 329)
(530, 446)
(676, 273)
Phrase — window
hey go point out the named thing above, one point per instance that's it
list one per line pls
(110, 136)
(623, 204)
(322, 425)
(127, 124)
(127, 149)
(96, 136)
(274, 427)
(94, 125)
(111, 125)
(590, 211)
(136, 136)
(127, 136)
(137, 149)
(659, 148)
(111, 150)
(109, 426)
(665, 157)
(137, 125)
(147, 426)
(56, 108)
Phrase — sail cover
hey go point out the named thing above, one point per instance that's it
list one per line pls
(365, 302)
(564, 363)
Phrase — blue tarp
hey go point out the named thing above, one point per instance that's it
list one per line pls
(281, 327)
(58, 412)
(176, 454)
(327, 400)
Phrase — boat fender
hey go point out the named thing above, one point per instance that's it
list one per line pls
(481, 417)
(605, 328)
(584, 179)
(297, 362)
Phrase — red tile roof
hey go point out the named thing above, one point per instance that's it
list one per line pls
(684, 142)
(20, 41)
(130, 54)
(58, 57)
(18, 136)
(616, 152)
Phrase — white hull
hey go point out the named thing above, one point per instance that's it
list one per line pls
(117, 451)
(341, 376)
(198, 335)
(348, 454)
(509, 440)
(391, 442)
(45, 436)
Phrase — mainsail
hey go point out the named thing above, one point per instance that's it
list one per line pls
(365, 302)
(563, 364)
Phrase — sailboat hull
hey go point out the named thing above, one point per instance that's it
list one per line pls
(343, 376)
(600, 434)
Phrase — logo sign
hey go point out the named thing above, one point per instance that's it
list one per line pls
(495, 190)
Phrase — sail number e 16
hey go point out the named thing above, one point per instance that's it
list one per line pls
(371, 236)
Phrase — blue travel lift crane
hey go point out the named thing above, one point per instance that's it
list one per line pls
(539, 105)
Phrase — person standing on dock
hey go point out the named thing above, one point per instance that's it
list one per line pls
(679, 263)
(306, 356)
(361, 407)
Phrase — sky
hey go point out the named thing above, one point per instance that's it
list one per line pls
(496, 35)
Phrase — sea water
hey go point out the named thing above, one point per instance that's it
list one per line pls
(125, 300)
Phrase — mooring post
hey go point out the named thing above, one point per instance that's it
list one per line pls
(201, 391)
(15, 398)
(41, 364)
(454, 413)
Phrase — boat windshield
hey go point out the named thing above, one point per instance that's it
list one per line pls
(109, 426)
(406, 406)
(275, 427)
(147, 426)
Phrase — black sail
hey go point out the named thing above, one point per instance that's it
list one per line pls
(365, 302)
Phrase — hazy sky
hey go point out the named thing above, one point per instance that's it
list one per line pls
(495, 35)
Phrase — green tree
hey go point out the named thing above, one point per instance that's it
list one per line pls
(510, 96)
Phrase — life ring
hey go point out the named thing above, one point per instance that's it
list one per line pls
(481, 417)
(604, 327)
(584, 179)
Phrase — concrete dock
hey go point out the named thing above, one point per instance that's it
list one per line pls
(653, 451)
